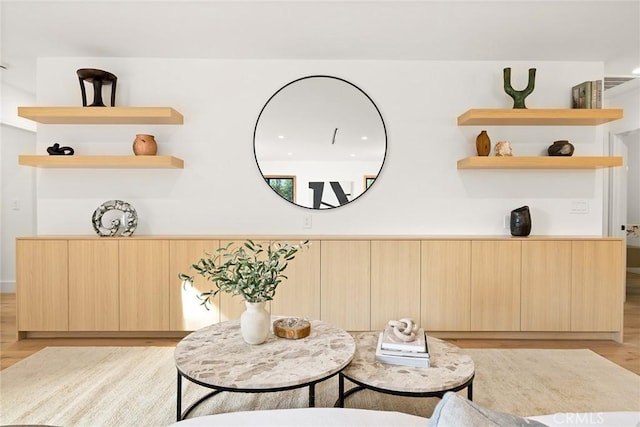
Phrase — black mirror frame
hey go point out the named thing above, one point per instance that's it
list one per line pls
(384, 128)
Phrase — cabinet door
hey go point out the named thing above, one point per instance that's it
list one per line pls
(446, 285)
(345, 294)
(187, 312)
(495, 285)
(299, 294)
(144, 285)
(42, 285)
(597, 286)
(93, 285)
(546, 286)
(395, 281)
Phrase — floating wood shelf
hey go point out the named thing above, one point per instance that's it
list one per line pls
(102, 115)
(539, 117)
(538, 162)
(113, 162)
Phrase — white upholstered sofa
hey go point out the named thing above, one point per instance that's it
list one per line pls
(452, 411)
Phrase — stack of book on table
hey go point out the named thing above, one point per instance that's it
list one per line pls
(397, 352)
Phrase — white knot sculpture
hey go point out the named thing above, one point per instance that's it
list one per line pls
(404, 329)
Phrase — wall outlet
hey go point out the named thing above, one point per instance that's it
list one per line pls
(15, 204)
(507, 221)
(307, 223)
(579, 207)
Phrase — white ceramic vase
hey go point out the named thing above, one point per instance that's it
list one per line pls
(255, 323)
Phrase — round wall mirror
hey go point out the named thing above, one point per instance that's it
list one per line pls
(320, 142)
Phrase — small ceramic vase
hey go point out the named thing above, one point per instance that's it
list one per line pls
(255, 323)
(520, 222)
(145, 145)
(483, 144)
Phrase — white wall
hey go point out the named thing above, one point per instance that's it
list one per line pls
(220, 190)
(17, 201)
(17, 184)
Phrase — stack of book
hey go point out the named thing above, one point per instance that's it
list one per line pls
(394, 351)
(587, 95)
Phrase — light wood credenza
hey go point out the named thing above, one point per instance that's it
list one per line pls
(459, 286)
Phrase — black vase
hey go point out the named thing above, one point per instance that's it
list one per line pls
(520, 222)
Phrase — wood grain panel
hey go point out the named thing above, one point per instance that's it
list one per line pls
(495, 285)
(597, 286)
(186, 311)
(395, 281)
(546, 286)
(144, 285)
(42, 285)
(299, 294)
(446, 285)
(93, 285)
(345, 284)
(539, 116)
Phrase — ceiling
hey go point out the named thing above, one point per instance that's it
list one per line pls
(607, 31)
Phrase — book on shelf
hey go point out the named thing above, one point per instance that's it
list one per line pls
(391, 342)
(596, 91)
(587, 94)
(403, 358)
(581, 95)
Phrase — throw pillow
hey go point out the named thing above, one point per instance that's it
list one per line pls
(456, 411)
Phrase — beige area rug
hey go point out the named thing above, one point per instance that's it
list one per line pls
(136, 386)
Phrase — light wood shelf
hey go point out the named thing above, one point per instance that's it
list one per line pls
(107, 162)
(539, 117)
(539, 162)
(102, 115)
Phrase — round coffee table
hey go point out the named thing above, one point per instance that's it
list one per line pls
(450, 370)
(217, 357)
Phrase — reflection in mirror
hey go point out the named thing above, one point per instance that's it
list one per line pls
(320, 142)
(285, 186)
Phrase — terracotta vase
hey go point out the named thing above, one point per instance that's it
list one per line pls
(483, 144)
(145, 145)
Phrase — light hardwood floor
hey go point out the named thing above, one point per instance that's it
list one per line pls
(626, 354)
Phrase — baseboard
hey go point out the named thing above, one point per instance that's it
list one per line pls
(8, 287)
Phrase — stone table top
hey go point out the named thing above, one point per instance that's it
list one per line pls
(450, 367)
(217, 356)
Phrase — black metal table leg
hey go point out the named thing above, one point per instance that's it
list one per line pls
(179, 398)
(340, 390)
(312, 395)
(470, 392)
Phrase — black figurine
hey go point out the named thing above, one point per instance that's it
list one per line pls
(518, 95)
(57, 150)
(98, 78)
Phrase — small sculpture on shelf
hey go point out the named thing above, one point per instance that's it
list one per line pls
(124, 225)
(560, 148)
(57, 150)
(98, 78)
(503, 148)
(518, 95)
